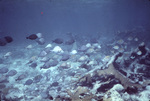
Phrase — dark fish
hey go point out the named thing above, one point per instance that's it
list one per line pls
(28, 82)
(70, 41)
(33, 65)
(42, 53)
(3, 70)
(2, 42)
(2, 86)
(12, 73)
(8, 39)
(55, 84)
(65, 57)
(58, 41)
(49, 64)
(37, 78)
(83, 48)
(22, 76)
(3, 79)
(93, 40)
(5, 40)
(32, 37)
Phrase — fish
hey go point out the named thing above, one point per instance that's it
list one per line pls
(37, 37)
(58, 41)
(2, 42)
(9, 39)
(70, 41)
(32, 37)
(5, 40)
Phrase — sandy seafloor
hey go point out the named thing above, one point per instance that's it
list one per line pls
(105, 69)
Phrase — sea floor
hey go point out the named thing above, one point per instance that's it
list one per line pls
(114, 70)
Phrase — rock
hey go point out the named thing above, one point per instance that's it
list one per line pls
(118, 87)
(90, 50)
(29, 47)
(143, 96)
(142, 48)
(42, 54)
(48, 46)
(55, 84)
(92, 62)
(48, 49)
(83, 48)
(28, 82)
(8, 54)
(45, 59)
(116, 47)
(64, 65)
(83, 58)
(41, 41)
(39, 35)
(88, 45)
(112, 95)
(12, 73)
(57, 49)
(74, 52)
(3, 70)
(126, 97)
(107, 86)
(148, 87)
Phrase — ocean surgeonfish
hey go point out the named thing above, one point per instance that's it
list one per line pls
(5, 40)
(32, 37)
(37, 37)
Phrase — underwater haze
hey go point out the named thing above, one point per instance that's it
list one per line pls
(74, 50)
(85, 17)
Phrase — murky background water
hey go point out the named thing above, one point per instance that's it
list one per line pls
(19, 18)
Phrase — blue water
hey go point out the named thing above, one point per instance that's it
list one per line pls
(81, 17)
